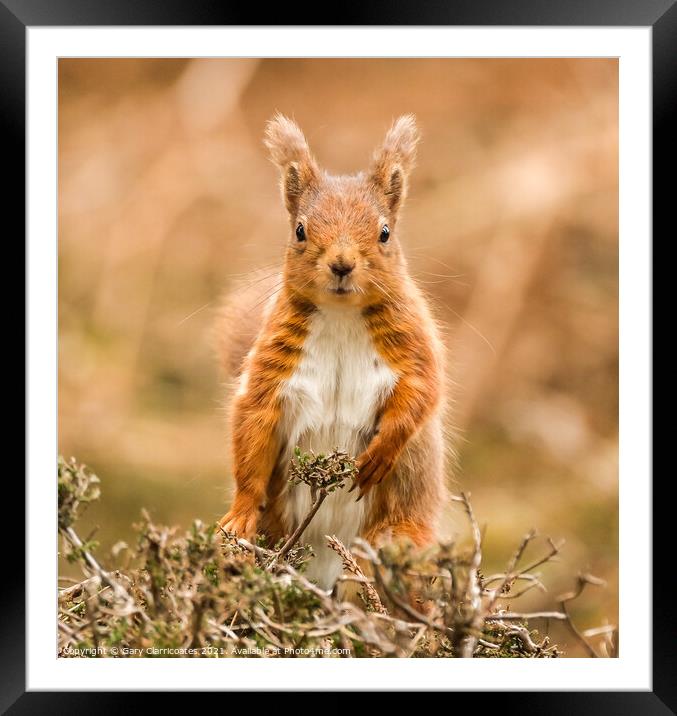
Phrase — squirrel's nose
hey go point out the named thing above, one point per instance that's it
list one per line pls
(341, 268)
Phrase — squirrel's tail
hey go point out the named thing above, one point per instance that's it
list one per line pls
(239, 319)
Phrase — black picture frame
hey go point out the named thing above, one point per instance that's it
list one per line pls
(18, 15)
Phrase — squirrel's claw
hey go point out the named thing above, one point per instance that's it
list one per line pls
(241, 524)
(371, 471)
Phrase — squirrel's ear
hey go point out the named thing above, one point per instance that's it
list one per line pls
(289, 150)
(394, 160)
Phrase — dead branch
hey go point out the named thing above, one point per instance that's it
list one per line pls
(467, 630)
(582, 582)
(296, 534)
(351, 565)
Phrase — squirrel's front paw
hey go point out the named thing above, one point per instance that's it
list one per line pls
(372, 470)
(243, 524)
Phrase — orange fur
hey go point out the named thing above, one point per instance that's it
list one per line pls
(256, 412)
(402, 467)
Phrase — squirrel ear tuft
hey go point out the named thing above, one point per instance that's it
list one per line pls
(395, 159)
(289, 150)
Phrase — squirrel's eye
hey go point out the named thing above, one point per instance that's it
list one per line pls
(385, 235)
(300, 233)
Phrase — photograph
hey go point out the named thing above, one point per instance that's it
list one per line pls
(338, 357)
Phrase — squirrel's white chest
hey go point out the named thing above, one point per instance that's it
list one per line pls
(332, 398)
(331, 401)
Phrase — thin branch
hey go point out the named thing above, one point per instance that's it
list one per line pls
(408, 609)
(350, 564)
(583, 581)
(296, 534)
(118, 590)
(466, 634)
(524, 616)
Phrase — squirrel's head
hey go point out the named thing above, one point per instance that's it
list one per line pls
(343, 245)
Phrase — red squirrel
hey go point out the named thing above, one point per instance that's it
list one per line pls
(345, 354)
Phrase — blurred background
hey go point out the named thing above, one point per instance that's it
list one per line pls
(166, 198)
